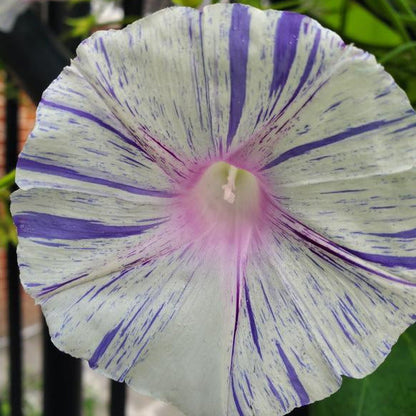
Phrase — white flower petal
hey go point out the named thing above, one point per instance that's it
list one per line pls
(351, 118)
(248, 55)
(262, 67)
(151, 76)
(165, 328)
(220, 76)
(307, 317)
(77, 144)
(82, 237)
(372, 217)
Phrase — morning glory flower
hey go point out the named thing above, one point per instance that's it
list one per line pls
(218, 208)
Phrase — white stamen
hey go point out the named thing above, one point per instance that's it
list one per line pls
(229, 187)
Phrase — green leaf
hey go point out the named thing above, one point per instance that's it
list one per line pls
(389, 391)
(359, 25)
(81, 26)
(411, 90)
(188, 3)
(362, 26)
(7, 180)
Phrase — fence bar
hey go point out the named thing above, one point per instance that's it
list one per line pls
(57, 13)
(133, 7)
(62, 381)
(118, 399)
(14, 303)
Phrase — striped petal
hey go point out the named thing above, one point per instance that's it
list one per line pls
(304, 324)
(78, 145)
(262, 68)
(81, 237)
(151, 77)
(372, 217)
(153, 327)
(347, 169)
(226, 74)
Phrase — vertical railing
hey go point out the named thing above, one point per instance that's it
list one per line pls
(14, 306)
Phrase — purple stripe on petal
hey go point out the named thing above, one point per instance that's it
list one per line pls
(308, 68)
(102, 347)
(35, 166)
(107, 59)
(88, 116)
(57, 286)
(351, 132)
(237, 403)
(345, 191)
(343, 329)
(239, 38)
(39, 225)
(134, 316)
(108, 284)
(293, 377)
(385, 260)
(276, 393)
(139, 341)
(400, 234)
(285, 42)
(248, 385)
(252, 321)
(347, 255)
(409, 127)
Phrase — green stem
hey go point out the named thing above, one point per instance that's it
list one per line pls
(397, 51)
(362, 397)
(8, 180)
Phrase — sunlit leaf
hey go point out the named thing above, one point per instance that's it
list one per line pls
(187, 3)
(7, 180)
(361, 26)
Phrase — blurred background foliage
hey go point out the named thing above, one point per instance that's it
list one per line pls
(387, 29)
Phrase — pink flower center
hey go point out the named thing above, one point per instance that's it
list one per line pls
(223, 207)
(227, 196)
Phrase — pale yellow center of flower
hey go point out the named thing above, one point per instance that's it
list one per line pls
(225, 191)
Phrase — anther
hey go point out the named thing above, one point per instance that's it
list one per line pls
(229, 187)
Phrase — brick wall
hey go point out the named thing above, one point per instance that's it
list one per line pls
(30, 312)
